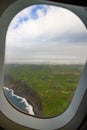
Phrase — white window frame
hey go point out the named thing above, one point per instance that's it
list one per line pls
(77, 109)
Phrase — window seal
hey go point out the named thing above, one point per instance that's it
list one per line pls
(11, 113)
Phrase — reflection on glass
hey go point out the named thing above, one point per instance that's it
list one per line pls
(46, 48)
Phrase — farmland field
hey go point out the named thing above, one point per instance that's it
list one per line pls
(53, 85)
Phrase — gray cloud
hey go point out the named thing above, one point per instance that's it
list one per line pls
(59, 35)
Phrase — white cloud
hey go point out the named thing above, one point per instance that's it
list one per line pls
(55, 34)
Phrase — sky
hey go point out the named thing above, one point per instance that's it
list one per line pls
(48, 35)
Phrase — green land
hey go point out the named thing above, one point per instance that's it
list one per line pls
(55, 84)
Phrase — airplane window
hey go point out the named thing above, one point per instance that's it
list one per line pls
(46, 49)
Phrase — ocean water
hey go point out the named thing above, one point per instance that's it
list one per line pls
(20, 102)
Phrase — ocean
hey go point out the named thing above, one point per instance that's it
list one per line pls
(19, 102)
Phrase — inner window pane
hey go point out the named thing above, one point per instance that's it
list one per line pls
(46, 49)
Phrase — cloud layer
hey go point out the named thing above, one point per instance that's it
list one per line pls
(46, 34)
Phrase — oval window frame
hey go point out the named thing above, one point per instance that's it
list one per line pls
(69, 117)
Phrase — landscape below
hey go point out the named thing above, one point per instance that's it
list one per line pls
(48, 88)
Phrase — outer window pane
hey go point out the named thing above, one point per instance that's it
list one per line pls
(45, 53)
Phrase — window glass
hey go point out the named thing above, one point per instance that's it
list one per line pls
(46, 49)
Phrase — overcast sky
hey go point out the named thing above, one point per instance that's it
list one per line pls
(46, 34)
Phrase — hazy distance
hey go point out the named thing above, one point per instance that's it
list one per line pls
(43, 34)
